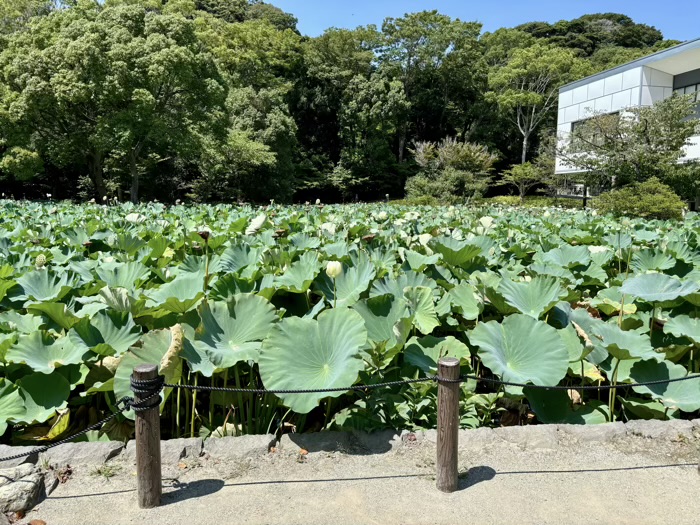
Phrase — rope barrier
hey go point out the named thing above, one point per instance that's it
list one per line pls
(152, 388)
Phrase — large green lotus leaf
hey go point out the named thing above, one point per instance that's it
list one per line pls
(522, 349)
(574, 347)
(43, 395)
(11, 404)
(424, 352)
(651, 260)
(395, 286)
(387, 320)
(533, 298)
(6, 342)
(610, 302)
(567, 256)
(465, 297)
(454, 251)
(13, 321)
(179, 295)
(107, 333)
(197, 359)
(684, 395)
(302, 353)
(418, 261)
(43, 353)
(554, 406)
(4, 287)
(422, 307)
(300, 274)
(684, 326)
(646, 409)
(43, 285)
(56, 312)
(155, 345)
(232, 331)
(122, 275)
(350, 284)
(656, 287)
(240, 257)
(624, 345)
(119, 300)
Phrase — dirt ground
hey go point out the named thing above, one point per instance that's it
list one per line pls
(629, 480)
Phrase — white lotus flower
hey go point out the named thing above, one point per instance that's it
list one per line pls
(318, 201)
(382, 215)
(334, 269)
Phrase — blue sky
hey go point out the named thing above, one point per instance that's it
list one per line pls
(678, 19)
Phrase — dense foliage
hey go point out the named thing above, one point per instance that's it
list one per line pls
(223, 100)
(222, 295)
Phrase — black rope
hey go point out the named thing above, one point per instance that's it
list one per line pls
(304, 391)
(96, 426)
(570, 387)
(150, 390)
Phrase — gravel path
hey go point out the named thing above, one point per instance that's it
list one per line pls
(568, 479)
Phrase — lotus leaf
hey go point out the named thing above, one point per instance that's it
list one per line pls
(302, 353)
(684, 395)
(656, 287)
(532, 298)
(43, 353)
(232, 331)
(522, 349)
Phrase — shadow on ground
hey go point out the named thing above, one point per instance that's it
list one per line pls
(190, 490)
(355, 443)
(480, 474)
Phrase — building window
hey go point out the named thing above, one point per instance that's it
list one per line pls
(688, 90)
(594, 136)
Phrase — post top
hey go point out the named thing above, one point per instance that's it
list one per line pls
(146, 368)
(448, 361)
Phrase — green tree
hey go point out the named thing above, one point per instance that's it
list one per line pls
(439, 61)
(523, 177)
(90, 83)
(526, 88)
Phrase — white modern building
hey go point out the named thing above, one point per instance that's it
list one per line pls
(641, 82)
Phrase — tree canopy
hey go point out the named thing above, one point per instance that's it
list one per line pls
(224, 100)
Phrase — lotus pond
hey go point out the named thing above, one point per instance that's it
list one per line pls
(240, 296)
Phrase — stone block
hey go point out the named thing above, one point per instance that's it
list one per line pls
(6, 451)
(21, 488)
(238, 447)
(171, 450)
(532, 437)
(594, 433)
(83, 454)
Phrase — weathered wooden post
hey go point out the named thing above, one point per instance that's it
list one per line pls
(448, 424)
(147, 443)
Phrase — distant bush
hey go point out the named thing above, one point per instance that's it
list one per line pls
(451, 171)
(651, 199)
(425, 200)
(534, 202)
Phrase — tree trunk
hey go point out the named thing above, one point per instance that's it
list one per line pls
(697, 202)
(95, 169)
(526, 139)
(402, 142)
(133, 169)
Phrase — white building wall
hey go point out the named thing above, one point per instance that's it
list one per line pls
(641, 86)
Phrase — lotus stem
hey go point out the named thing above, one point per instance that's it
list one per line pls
(613, 391)
(335, 295)
(194, 405)
(237, 379)
(177, 409)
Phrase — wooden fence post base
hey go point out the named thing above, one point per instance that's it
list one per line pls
(448, 425)
(148, 444)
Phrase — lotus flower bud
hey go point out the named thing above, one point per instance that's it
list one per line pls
(334, 269)
(40, 261)
(318, 201)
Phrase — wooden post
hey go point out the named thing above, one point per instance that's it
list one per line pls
(448, 425)
(147, 445)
